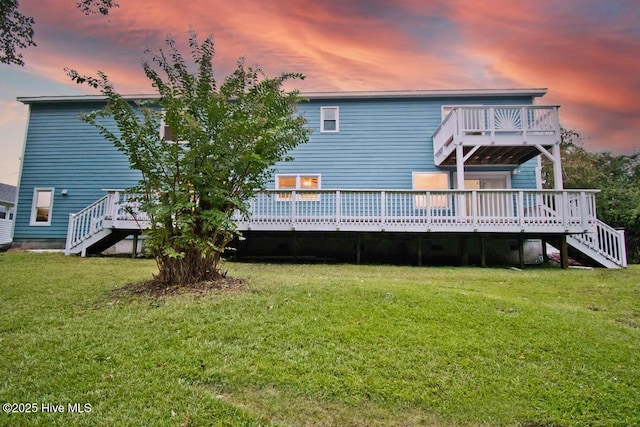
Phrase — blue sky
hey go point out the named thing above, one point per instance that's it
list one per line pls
(584, 51)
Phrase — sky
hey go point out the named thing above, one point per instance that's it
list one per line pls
(586, 52)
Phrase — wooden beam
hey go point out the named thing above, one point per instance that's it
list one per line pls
(483, 252)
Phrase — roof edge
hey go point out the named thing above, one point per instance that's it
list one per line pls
(437, 93)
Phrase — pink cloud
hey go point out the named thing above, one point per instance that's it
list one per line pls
(582, 51)
(589, 68)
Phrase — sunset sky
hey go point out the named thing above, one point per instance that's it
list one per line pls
(586, 52)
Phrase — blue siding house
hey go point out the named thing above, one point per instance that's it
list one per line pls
(442, 176)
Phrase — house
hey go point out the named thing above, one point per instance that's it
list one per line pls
(7, 212)
(433, 176)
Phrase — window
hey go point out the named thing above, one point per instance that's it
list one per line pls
(41, 206)
(430, 181)
(485, 180)
(329, 119)
(167, 134)
(298, 182)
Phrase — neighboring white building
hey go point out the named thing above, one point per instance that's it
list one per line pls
(7, 212)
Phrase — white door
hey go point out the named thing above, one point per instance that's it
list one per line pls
(489, 206)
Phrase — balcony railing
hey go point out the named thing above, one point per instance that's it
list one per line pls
(498, 126)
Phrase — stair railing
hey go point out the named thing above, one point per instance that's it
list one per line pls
(87, 222)
(606, 241)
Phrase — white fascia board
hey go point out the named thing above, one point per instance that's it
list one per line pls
(80, 98)
(440, 93)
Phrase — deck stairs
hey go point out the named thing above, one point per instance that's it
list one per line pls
(606, 247)
(104, 223)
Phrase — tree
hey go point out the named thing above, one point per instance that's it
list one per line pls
(223, 145)
(617, 178)
(16, 29)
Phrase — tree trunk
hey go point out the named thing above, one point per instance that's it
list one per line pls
(193, 268)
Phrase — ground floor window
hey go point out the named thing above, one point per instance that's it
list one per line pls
(430, 181)
(41, 206)
(298, 182)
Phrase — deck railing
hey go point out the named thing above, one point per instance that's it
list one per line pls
(496, 125)
(545, 211)
(490, 211)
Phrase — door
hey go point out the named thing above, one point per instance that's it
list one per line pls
(489, 206)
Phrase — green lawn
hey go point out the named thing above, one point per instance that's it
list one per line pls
(320, 345)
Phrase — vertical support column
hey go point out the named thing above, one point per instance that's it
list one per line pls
(557, 167)
(464, 251)
(419, 250)
(461, 208)
(358, 249)
(295, 246)
(460, 167)
(564, 252)
(521, 252)
(483, 252)
(134, 248)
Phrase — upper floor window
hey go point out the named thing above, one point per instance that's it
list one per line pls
(167, 134)
(41, 206)
(329, 119)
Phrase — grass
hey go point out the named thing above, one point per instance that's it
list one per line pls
(336, 345)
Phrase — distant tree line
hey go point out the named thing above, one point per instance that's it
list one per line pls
(617, 178)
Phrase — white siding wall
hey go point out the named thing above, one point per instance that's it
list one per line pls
(5, 231)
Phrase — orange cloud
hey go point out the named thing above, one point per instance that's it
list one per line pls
(584, 51)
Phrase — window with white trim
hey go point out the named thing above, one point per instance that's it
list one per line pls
(41, 206)
(430, 181)
(329, 119)
(298, 182)
(167, 134)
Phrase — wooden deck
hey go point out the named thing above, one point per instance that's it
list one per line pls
(525, 212)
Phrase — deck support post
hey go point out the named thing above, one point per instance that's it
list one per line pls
(564, 252)
(545, 254)
(483, 252)
(134, 248)
(419, 250)
(464, 250)
(521, 252)
(358, 250)
(295, 247)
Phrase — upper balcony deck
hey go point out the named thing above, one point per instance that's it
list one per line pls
(496, 135)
